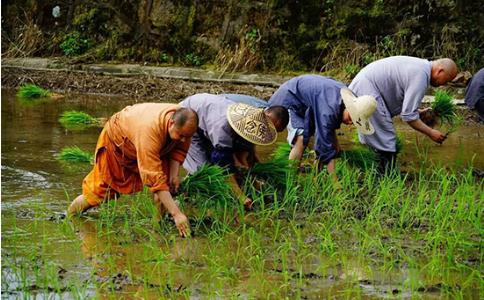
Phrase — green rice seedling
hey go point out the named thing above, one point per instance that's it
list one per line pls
(76, 155)
(210, 182)
(77, 117)
(276, 170)
(32, 91)
(360, 157)
(444, 107)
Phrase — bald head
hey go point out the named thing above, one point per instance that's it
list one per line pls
(183, 124)
(185, 115)
(443, 71)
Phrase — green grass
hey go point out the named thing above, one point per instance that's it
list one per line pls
(75, 155)
(32, 91)
(77, 117)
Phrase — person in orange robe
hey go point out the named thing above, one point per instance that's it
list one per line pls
(144, 144)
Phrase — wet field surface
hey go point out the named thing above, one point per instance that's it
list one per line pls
(46, 256)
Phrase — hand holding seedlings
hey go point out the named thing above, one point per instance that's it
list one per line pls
(437, 136)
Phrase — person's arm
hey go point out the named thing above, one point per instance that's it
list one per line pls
(434, 134)
(78, 206)
(297, 149)
(163, 200)
(174, 179)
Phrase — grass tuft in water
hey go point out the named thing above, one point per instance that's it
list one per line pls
(32, 91)
(77, 117)
(75, 154)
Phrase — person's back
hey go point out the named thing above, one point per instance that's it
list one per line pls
(475, 93)
(212, 121)
(396, 80)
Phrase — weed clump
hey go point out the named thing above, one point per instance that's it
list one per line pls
(76, 155)
(32, 91)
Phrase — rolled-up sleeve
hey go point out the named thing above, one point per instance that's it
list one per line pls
(148, 149)
(414, 93)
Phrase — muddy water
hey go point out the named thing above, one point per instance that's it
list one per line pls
(36, 189)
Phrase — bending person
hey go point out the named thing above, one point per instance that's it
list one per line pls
(143, 144)
(399, 84)
(227, 128)
(317, 106)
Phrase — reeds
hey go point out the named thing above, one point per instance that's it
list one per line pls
(75, 154)
(32, 91)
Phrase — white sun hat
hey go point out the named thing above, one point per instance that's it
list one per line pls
(360, 109)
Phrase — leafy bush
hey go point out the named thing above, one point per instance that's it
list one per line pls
(74, 44)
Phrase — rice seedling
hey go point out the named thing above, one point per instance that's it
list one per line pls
(32, 91)
(77, 117)
(275, 170)
(210, 182)
(75, 155)
(444, 107)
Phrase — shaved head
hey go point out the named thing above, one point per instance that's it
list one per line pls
(443, 71)
(185, 115)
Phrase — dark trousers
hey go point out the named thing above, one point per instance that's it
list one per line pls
(386, 161)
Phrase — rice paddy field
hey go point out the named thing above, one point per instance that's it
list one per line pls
(415, 234)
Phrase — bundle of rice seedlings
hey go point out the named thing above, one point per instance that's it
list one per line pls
(32, 91)
(75, 154)
(444, 107)
(210, 182)
(276, 170)
(360, 157)
(77, 117)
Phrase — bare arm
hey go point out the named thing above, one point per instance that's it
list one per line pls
(163, 199)
(298, 149)
(433, 134)
(174, 179)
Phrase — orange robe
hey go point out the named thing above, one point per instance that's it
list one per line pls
(133, 150)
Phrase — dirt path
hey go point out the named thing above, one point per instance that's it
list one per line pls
(136, 86)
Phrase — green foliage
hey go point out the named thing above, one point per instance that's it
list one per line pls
(75, 44)
(352, 70)
(77, 117)
(192, 59)
(444, 107)
(31, 91)
(360, 157)
(209, 182)
(75, 155)
(277, 169)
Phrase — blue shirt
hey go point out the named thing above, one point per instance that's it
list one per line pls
(314, 103)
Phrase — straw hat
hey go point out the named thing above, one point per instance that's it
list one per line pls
(251, 123)
(360, 109)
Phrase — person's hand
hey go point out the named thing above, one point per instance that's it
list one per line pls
(174, 184)
(437, 136)
(181, 222)
(248, 204)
